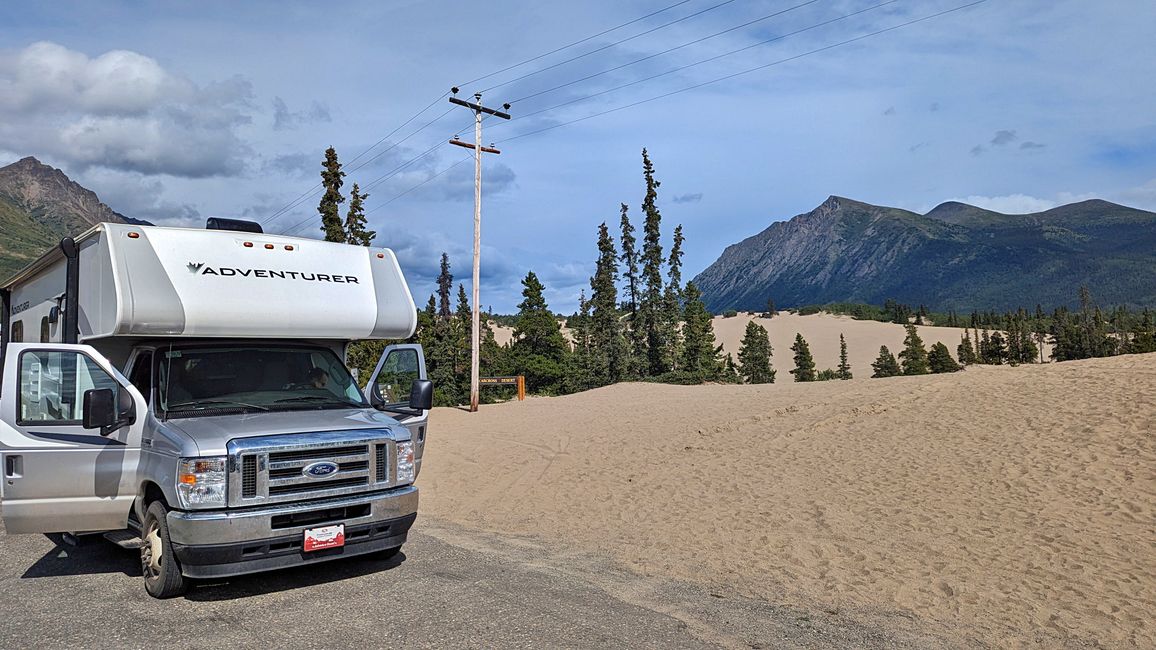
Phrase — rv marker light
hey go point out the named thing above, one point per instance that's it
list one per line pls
(248, 244)
(288, 247)
(381, 256)
(133, 235)
(268, 247)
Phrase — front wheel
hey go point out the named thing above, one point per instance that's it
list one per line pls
(162, 572)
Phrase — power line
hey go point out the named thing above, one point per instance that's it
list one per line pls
(606, 47)
(747, 71)
(578, 42)
(707, 60)
(312, 191)
(668, 51)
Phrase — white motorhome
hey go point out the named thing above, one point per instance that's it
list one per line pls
(184, 391)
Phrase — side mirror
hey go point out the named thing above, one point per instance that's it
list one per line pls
(99, 409)
(421, 395)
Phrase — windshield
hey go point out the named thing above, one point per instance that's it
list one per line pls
(219, 380)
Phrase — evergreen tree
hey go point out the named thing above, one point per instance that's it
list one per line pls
(755, 355)
(331, 176)
(885, 364)
(1144, 335)
(539, 350)
(827, 375)
(700, 355)
(608, 345)
(770, 312)
(804, 364)
(580, 374)
(463, 336)
(997, 349)
(634, 331)
(650, 308)
(672, 300)
(445, 285)
(355, 232)
(844, 370)
(939, 360)
(965, 351)
(914, 355)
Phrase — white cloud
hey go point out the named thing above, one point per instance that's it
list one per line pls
(1010, 204)
(121, 111)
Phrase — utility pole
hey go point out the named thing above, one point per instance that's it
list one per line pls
(475, 333)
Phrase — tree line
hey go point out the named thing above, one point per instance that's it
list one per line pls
(640, 322)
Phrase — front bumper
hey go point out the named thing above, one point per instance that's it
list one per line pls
(228, 543)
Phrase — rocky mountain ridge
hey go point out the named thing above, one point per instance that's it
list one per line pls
(39, 205)
(957, 256)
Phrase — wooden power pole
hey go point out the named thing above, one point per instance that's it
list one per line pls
(475, 333)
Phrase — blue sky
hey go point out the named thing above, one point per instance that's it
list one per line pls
(174, 112)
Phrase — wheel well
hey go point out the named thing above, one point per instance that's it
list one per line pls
(151, 492)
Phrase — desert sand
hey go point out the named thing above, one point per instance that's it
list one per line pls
(1005, 506)
(821, 332)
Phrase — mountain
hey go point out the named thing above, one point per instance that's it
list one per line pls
(957, 256)
(39, 206)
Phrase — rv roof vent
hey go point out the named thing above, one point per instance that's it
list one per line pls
(220, 223)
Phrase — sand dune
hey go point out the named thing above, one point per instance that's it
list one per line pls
(822, 334)
(1013, 506)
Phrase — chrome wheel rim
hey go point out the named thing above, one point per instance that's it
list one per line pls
(151, 552)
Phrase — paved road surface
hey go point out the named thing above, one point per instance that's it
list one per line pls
(450, 588)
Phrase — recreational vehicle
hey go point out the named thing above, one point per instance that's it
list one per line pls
(184, 392)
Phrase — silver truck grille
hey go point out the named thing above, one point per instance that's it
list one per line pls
(271, 469)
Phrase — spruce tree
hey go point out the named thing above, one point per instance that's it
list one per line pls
(804, 363)
(355, 232)
(939, 359)
(885, 364)
(650, 308)
(672, 300)
(634, 331)
(608, 344)
(539, 350)
(997, 349)
(770, 312)
(331, 176)
(914, 355)
(445, 285)
(965, 351)
(580, 372)
(699, 353)
(844, 369)
(755, 355)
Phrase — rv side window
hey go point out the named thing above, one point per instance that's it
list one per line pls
(142, 375)
(52, 385)
(44, 330)
(17, 332)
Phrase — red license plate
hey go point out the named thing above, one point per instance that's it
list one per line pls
(317, 539)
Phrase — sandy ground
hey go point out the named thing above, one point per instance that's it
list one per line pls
(821, 332)
(1005, 506)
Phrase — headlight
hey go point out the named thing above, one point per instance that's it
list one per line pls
(405, 464)
(201, 482)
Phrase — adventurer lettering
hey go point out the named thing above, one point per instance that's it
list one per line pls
(225, 271)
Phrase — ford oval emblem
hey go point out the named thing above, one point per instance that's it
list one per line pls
(319, 470)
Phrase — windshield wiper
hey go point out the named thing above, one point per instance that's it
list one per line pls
(217, 401)
(318, 398)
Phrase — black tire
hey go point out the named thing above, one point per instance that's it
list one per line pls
(159, 566)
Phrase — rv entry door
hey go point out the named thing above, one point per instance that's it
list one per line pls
(58, 475)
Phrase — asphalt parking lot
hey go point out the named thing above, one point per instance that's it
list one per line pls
(451, 587)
